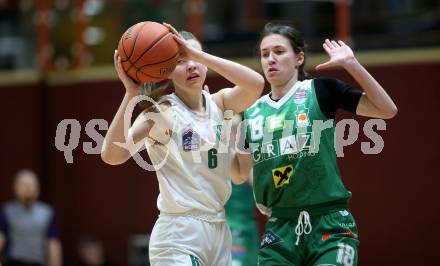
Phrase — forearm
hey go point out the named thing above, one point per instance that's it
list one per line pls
(242, 76)
(373, 90)
(251, 178)
(112, 153)
(241, 168)
(54, 255)
(235, 171)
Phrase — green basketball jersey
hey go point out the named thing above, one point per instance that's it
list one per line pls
(294, 158)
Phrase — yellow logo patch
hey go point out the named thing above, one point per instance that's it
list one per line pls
(281, 176)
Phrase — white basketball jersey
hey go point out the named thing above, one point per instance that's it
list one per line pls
(195, 177)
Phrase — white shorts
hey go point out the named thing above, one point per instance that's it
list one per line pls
(187, 241)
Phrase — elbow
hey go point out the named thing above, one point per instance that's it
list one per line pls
(391, 113)
(238, 180)
(239, 177)
(253, 87)
(236, 177)
(260, 83)
(240, 169)
(106, 158)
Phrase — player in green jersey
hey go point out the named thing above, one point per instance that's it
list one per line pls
(292, 151)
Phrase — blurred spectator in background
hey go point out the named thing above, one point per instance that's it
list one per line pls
(28, 235)
(91, 252)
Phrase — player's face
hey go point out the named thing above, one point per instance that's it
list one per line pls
(278, 60)
(189, 73)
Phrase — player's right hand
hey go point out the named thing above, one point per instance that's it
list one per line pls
(131, 87)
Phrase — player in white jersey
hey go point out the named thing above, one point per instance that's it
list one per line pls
(189, 133)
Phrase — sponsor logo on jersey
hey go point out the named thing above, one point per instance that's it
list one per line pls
(302, 116)
(300, 96)
(190, 140)
(269, 238)
(281, 176)
(220, 132)
(302, 120)
(294, 146)
(276, 122)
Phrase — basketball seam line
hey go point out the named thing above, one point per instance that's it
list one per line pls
(125, 52)
(137, 69)
(137, 79)
(135, 40)
(123, 49)
(132, 50)
(159, 61)
(146, 50)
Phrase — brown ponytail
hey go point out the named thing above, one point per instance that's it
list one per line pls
(155, 91)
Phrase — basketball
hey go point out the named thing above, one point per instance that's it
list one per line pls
(148, 52)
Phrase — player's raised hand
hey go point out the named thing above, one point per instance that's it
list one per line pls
(130, 86)
(340, 54)
(187, 51)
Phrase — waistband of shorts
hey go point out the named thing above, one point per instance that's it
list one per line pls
(200, 215)
(313, 210)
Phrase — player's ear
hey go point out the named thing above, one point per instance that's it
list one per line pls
(300, 58)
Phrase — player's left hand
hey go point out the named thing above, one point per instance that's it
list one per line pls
(186, 50)
(340, 54)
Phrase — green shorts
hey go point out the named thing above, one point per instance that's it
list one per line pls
(333, 240)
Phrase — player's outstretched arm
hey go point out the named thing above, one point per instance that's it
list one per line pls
(375, 102)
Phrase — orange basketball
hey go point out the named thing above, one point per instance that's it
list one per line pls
(148, 52)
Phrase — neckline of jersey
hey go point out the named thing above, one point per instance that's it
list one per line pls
(196, 113)
(277, 104)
